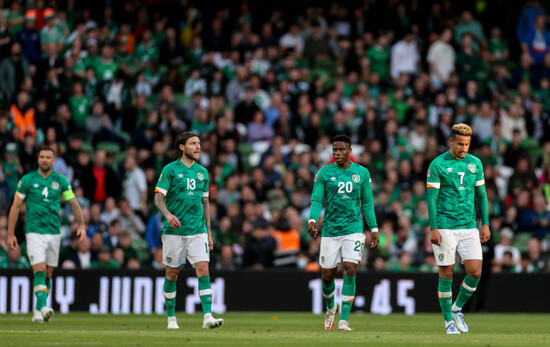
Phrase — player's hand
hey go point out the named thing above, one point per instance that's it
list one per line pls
(312, 229)
(173, 221)
(81, 233)
(374, 240)
(435, 237)
(12, 242)
(210, 243)
(485, 233)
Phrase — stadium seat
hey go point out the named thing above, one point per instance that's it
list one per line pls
(142, 249)
(109, 147)
(522, 238)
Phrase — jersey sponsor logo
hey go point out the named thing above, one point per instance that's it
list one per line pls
(472, 168)
(200, 176)
(55, 185)
(356, 178)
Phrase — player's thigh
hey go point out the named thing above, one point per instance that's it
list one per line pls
(352, 247)
(446, 253)
(173, 250)
(36, 248)
(469, 245)
(197, 248)
(330, 254)
(52, 251)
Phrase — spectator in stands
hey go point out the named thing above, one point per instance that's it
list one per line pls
(83, 257)
(130, 222)
(13, 69)
(106, 181)
(537, 219)
(537, 40)
(104, 260)
(135, 186)
(29, 38)
(404, 56)
(505, 246)
(258, 250)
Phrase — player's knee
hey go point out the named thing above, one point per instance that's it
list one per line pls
(349, 269)
(475, 273)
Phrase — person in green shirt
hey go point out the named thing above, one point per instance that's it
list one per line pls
(181, 194)
(104, 260)
(42, 190)
(79, 104)
(105, 67)
(454, 180)
(378, 57)
(14, 260)
(346, 189)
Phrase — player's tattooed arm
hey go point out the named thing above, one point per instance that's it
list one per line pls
(77, 211)
(78, 215)
(160, 203)
(206, 211)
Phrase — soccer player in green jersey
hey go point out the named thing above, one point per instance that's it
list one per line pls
(181, 195)
(455, 180)
(346, 188)
(42, 191)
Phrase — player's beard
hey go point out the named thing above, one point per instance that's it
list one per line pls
(190, 156)
(45, 168)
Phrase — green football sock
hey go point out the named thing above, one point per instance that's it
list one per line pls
(467, 289)
(348, 295)
(445, 294)
(40, 289)
(205, 293)
(170, 297)
(328, 293)
(48, 284)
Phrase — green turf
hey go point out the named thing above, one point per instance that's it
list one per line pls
(272, 329)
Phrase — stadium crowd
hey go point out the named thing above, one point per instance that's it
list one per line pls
(267, 86)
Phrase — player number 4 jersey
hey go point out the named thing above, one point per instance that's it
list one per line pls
(456, 180)
(43, 201)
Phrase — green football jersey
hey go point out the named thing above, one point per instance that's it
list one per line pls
(184, 188)
(43, 199)
(347, 192)
(456, 180)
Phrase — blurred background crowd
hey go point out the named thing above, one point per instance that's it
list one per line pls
(267, 84)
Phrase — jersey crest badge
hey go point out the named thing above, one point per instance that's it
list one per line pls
(55, 185)
(200, 176)
(441, 257)
(35, 185)
(472, 168)
(356, 178)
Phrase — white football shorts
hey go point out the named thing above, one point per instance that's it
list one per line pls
(176, 249)
(346, 248)
(43, 248)
(465, 242)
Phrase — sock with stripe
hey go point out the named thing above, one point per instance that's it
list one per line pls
(170, 297)
(445, 294)
(467, 289)
(328, 293)
(40, 289)
(348, 295)
(205, 293)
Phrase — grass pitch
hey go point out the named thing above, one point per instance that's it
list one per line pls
(273, 329)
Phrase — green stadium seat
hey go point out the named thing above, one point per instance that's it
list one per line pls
(110, 147)
(142, 250)
(522, 238)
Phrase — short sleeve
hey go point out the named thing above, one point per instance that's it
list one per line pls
(66, 189)
(164, 181)
(22, 188)
(433, 179)
(206, 184)
(480, 176)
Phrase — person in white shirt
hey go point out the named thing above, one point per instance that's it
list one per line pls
(135, 185)
(404, 56)
(441, 57)
(292, 40)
